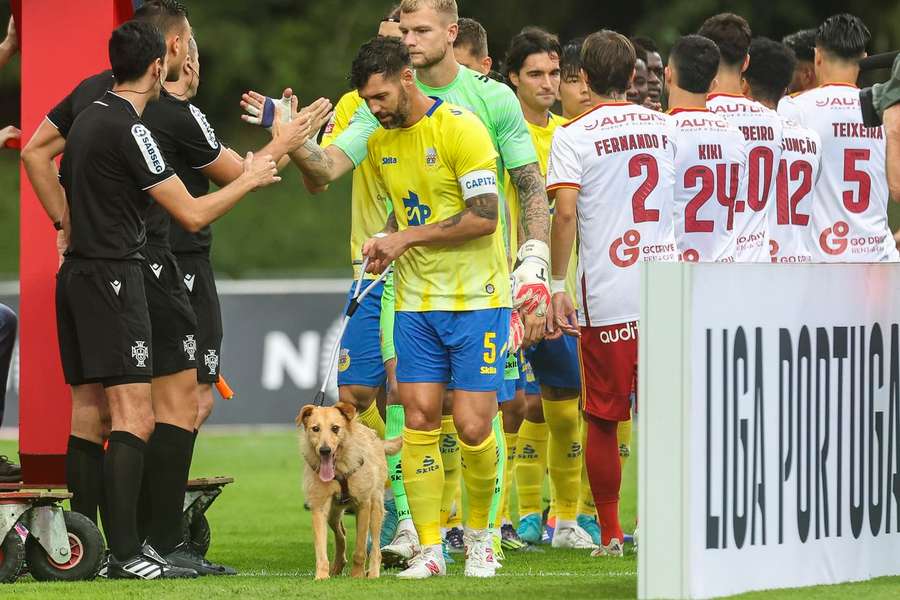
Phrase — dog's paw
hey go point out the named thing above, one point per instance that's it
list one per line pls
(338, 568)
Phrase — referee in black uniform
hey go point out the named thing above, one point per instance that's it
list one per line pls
(111, 170)
(178, 342)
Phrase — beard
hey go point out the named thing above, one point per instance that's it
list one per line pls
(396, 119)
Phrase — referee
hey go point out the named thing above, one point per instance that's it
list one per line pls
(177, 341)
(111, 170)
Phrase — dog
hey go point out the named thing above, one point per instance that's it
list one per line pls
(345, 465)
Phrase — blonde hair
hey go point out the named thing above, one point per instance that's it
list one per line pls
(448, 7)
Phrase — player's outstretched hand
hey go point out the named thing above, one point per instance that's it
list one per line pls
(565, 315)
(263, 111)
(382, 249)
(260, 171)
(292, 134)
(319, 112)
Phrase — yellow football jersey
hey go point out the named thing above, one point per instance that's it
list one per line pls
(420, 169)
(368, 213)
(542, 138)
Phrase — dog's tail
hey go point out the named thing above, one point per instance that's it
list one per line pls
(392, 446)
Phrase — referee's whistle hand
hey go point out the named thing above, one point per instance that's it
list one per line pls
(260, 171)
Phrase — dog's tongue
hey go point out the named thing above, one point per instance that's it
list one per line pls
(326, 467)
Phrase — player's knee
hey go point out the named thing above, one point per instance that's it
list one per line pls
(473, 432)
(420, 421)
(142, 425)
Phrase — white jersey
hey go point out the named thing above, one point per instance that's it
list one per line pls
(621, 159)
(710, 163)
(798, 171)
(762, 133)
(849, 216)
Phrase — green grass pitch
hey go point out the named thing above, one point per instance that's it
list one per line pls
(259, 527)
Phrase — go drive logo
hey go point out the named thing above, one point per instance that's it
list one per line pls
(833, 240)
(630, 252)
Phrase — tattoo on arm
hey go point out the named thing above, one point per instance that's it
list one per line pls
(533, 201)
(391, 225)
(484, 207)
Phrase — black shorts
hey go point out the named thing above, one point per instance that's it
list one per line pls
(201, 288)
(174, 323)
(103, 322)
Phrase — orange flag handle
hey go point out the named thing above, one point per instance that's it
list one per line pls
(224, 389)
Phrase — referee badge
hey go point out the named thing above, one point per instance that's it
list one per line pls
(140, 353)
(190, 346)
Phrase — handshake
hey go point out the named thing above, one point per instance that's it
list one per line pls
(288, 123)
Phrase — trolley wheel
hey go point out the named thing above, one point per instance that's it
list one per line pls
(197, 533)
(86, 546)
(12, 556)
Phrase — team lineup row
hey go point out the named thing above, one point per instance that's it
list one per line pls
(449, 170)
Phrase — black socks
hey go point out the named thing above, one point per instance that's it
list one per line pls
(84, 474)
(168, 463)
(122, 472)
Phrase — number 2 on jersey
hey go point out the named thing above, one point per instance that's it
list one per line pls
(638, 164)
(725, 175)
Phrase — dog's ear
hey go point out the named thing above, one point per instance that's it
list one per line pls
(348, 410)
(303, 415)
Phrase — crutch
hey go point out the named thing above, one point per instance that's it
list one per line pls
(351, 308)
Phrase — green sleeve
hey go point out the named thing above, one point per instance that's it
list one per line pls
(353, 141)
(513, 138)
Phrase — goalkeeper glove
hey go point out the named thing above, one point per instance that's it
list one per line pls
(266, 116)
(530, 278)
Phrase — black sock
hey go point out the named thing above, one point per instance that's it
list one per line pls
(169, 454)
(145, 502)
(122, 472)
(84, 474)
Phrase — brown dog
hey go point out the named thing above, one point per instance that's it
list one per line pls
(345, 465)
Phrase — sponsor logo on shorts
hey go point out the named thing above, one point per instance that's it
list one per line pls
(344, 360)
(116, 286)
(147, 145)
(624, 450)
(211, 360)
(140, 353)
(485, 370)
(190, 346)
(574, 450)
(156, 268)
(626, 332)
(189, 281)
(428, 465)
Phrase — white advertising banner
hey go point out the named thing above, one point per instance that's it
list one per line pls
(789, 414)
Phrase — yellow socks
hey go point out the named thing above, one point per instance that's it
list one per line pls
(371, 418)
(564, 455)
(531, 465)
(623, 435)
(586, 498)
(452, 470)
(509, 465)
(423, 477)
(479, 471)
